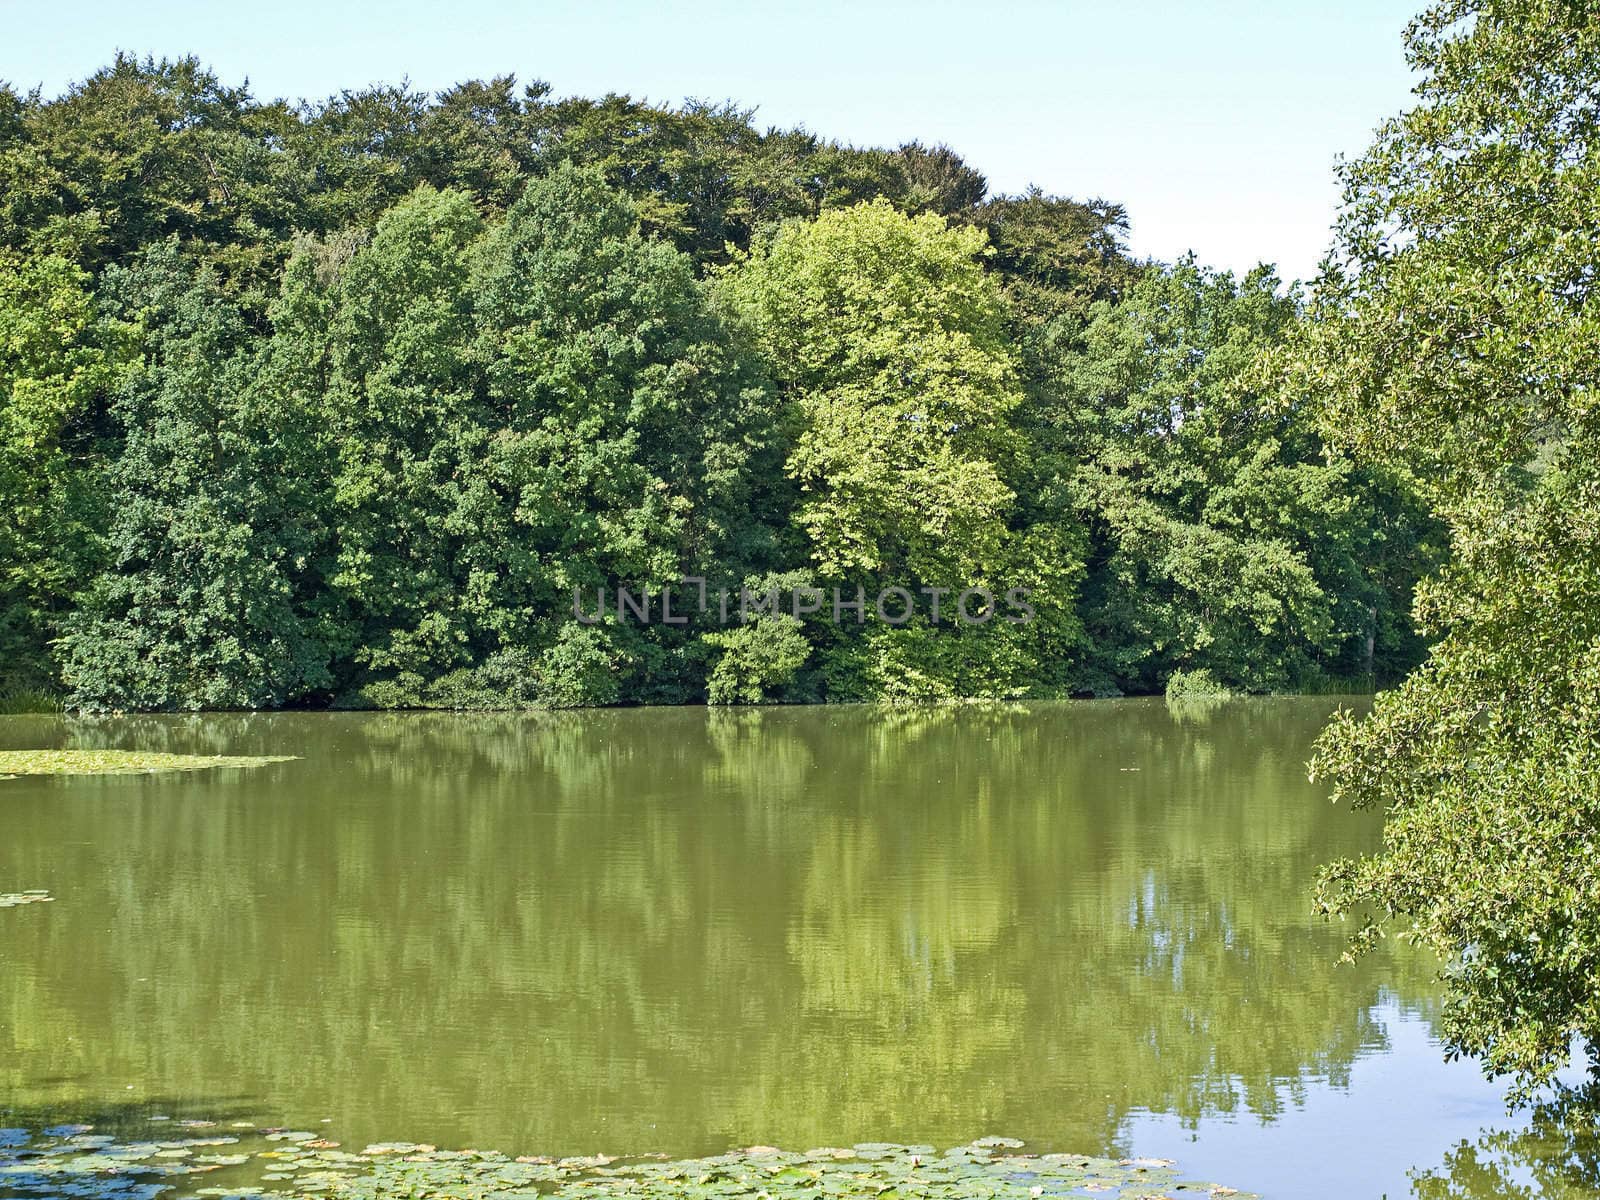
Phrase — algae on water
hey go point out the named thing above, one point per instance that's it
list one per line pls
(119, 762)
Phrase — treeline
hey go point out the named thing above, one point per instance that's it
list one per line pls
(345, 403)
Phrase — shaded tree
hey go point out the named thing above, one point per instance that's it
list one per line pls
(52, 374)
(201, 604)
(1223, 539)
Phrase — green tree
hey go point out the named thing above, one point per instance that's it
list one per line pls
(758, 657)
(400, 408)
(1455, 336)
(53, 369)
(938, 180)
(202, 602)
(518, 412)
(485, 139)
(887, 336)
(143, 150)
(703, 176)
(467, 329)
(1055, 257)
(1222, 539)
(631, 432)
(888, 339)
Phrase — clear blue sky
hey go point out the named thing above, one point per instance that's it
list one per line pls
(1216, 124)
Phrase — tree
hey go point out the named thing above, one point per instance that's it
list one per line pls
(143, 150)
(484, 139)
(52, 371)
(888, 339)
(758, 657)
(1222, 540)
(1455, 338)
(1056, 257)
(203, 601)
(704, 177)
(519, 412)
(400, 406)
(938, 180)
(631, 433)
(463, 361)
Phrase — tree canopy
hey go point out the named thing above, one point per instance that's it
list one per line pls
(495, 398)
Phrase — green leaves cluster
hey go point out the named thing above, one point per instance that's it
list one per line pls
(886, 338)
(1454, 336)
(343, 403)
(1227, 538)
(52, 367)
(390, 499)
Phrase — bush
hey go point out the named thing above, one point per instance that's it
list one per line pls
(582, 668)
(758, 659)
(1187, 685)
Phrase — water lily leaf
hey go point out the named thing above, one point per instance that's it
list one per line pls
(65, 1163)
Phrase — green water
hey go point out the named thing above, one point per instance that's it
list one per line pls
(1084, 925)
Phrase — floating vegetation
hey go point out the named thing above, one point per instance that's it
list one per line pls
(118, 762)
(73, 1161)
(31, 896)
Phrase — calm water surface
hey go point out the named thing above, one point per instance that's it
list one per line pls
(1085, 925)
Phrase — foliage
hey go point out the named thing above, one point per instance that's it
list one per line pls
(51, 368)
(626, 419)
(1455, 339)
(395, 328)
(1055, 257)
(1182, 685)
(1222, 537)
(758, 658)
(509, 413)
(200, 606)
(142, 151)
(147, 149)
(20, 701)
(338, 402)
(888, 340)
(581, 667)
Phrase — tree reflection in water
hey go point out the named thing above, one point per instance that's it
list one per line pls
(677, 930)
(1555, 1157)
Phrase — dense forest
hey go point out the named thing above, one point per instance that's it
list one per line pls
(352, 403)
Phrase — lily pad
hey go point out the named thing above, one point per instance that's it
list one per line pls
(63, 1162)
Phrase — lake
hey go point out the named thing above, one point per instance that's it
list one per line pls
(1085, 925)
